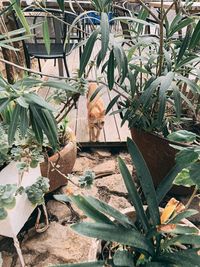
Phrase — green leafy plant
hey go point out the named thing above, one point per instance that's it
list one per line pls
(151, 239)
(7, 199)
(4, 146)
(189, 157)
(36, 191)
(153, 73)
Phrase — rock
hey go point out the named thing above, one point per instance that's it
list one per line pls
(107, 166)
(87, 155)
(83, 164)
(58, 209)
(7, 259)
(59, 244)
(113, 183)
(119, 203)
(102, 153)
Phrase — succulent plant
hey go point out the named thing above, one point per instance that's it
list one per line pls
(87, 179)
(4, 146)
(36, 191)
(7, 198)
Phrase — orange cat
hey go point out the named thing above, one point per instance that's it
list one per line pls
(96, 113)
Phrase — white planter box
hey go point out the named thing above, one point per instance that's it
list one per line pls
(23, 208)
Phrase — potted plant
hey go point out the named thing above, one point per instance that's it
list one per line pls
(30, 119)
(153, 77)
(152, 237)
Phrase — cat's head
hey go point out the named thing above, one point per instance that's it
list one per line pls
(97, 120)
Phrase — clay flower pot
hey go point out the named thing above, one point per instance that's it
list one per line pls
(64, 160)
(159, 157)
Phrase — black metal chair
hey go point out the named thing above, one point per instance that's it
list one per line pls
(58, 27)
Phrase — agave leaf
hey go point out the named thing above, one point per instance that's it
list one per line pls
(114, 233)
(182, 239)
(133, 194)
(105, 208)
(183, 215)
(123, 258)
(188, 257)
(146, 181)
(90, 210)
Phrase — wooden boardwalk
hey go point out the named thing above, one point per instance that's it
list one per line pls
(112, 134)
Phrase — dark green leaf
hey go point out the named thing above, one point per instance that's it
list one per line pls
(89, 210)
(61, 4)
(106, 209)
(186, 156)
(182, 24)
(133, 194)
(14, 122)
(111, 69)
(183, 215)
(123, 258)
(195, 173)
(87, 51)
(24, 122)
(194, 40)
(112, 103)
(99, 88)
(146, 181)
(3, 103)
(114, 233)
(184, 46)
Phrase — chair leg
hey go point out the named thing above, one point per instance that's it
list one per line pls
(66, 68)
(39, 64)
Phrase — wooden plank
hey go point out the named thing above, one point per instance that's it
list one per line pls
(110, 127)
(124, 131)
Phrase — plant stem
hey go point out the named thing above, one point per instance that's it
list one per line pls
(161, 52)
(191, 198)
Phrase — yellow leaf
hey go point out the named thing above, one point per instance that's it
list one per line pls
(168, 210)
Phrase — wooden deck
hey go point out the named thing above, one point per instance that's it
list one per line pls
(112, 134)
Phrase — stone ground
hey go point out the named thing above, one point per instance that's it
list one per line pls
(59, 244)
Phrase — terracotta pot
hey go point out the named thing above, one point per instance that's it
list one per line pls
(159, 156)
(65, 161)
(96, 246)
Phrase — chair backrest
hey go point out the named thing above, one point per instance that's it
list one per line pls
(58, 25)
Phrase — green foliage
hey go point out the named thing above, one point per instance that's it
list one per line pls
(142, 241)
(7, 199)
(87, 179)
(4, 146)
(36, 191)
(188, 157)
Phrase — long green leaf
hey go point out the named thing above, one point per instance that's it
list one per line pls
(106, 209)
(46, 36)
(182, 239)
(87, 51)
(167, 182)
(3, 103)
(181, 25)
(32, 98)
(114, 233)
(20, 15)
(112, 103)
(133, 194)
(104, 34)
(89, 210)
(146, 181)
(61, 4)
(36, 128)
(110, 71)
(194, 40)
(23, 121)
(188, 257)
(14, 122)
(183, 215)
(121, 60)
(184, 46)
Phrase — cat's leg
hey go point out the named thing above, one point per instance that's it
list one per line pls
(98, 134)
(93, 137)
